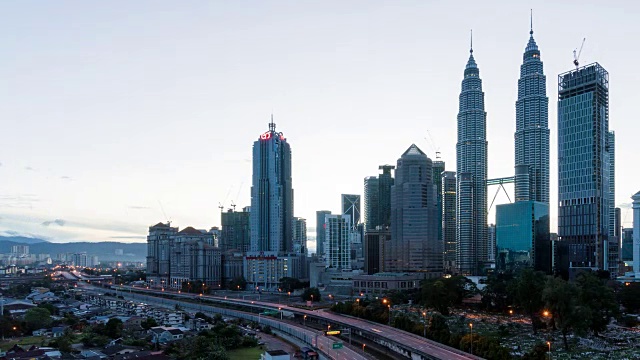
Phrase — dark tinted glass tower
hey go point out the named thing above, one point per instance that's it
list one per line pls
(471, 156)
(585, 171)
(320, 231)
(438, 169)
(414, 244)
(271, 193)
(532, 124)
(351, 207)
(449, 219)
(235, 231)
(371, 202)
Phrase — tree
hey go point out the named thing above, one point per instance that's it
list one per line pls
(438, 329)
(238, 283)
(148, 323)
(599, 299)
(290, 284)
(563, 301)
(113, 328)
(495, 295)
(311, 294)
(630, 297)
(526, 290)
(37, 318)
(442, 293)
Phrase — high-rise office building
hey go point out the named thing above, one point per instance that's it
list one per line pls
(377, 199)
(300, 235)
(271, 193)
(338, 241)
(371, 202)
(414, 244)
(471, 166)
(374, 245)
(449, 219)
(320, 231)
(385, 182)
(351, 208)
(522, 236)
(438, 169)
(235, 233)
(491, 243)
(585, 168)
(626, 253)
(532, 124)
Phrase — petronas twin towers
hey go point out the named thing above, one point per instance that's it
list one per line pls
(531, 154)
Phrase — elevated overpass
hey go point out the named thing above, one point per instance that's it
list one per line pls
(398, 341)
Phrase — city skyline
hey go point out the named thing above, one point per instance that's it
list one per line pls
(91, 159)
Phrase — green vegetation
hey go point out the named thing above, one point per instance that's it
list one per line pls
(37, 318)
(311, 294)
(245, 354)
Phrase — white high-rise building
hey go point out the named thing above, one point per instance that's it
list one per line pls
(337, 245)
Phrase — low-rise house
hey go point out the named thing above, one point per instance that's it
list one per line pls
(40, 332)
(115, 350)
(163, 334)
(58, 331)
(18, 307)
(275, 355)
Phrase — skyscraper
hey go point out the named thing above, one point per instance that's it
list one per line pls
(438, 169)
(414, 244)
(271, 193)
(338, 241)
(585, 167)
(377, 198)
(235, 233)
(351, 208)
(159, 253)
(449, 219)
(532, 123)
(320, 231)
(385, 181)
(371, 202)
(471, 164)
(300, 235)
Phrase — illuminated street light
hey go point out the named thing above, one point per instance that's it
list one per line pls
(549, 344)
(471, 327)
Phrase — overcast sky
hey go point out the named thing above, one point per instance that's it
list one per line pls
(113, 111)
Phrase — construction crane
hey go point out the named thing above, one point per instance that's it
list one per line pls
(221, 207)
(436, 149)
(233, 205)
(576, 58)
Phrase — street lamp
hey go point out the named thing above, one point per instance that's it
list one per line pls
(305, 320)
(424, 313)
(471, 327)
(280, 309)
(389, 307)
(289, 297)
(363, 345)
(549, 344)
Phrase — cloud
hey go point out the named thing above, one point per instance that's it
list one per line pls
(127, 237)
(65, 178)
(134, 207)
(58, 222)
(29, 168)
(18, 201)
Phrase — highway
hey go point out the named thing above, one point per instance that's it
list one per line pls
(408, 344)
(309, 336)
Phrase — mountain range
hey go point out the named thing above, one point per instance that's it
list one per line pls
(106, 250)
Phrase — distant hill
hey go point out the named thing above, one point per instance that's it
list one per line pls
(106, 251)
(22, 239)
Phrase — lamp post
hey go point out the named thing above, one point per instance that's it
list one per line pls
(280, 309)
(363, 345)
(424, 314)
(549, 344)
(471, 327)
(305, 320)
(389, 307)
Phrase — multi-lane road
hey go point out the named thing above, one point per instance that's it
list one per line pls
(408, 344)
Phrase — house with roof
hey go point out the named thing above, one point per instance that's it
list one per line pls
(162, 334)
(118, 349)
(58, 331)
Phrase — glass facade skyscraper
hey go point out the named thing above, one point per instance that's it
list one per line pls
(320, 231)
(414, 244)
(449, 219)
(377, 199)
(351, 207)
(532, 124)
(522, 236)
(585, 168)
(271, 217)
(471, 163)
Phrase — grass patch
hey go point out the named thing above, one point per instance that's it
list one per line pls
(29, 340)
(246, 353)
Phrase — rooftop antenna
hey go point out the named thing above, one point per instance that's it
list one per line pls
(576, 58)
(272, 125)
(531, 32)
(471, 48)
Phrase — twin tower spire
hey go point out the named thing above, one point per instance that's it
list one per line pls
(531, 148)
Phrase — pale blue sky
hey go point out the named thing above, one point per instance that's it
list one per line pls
(111, 108)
